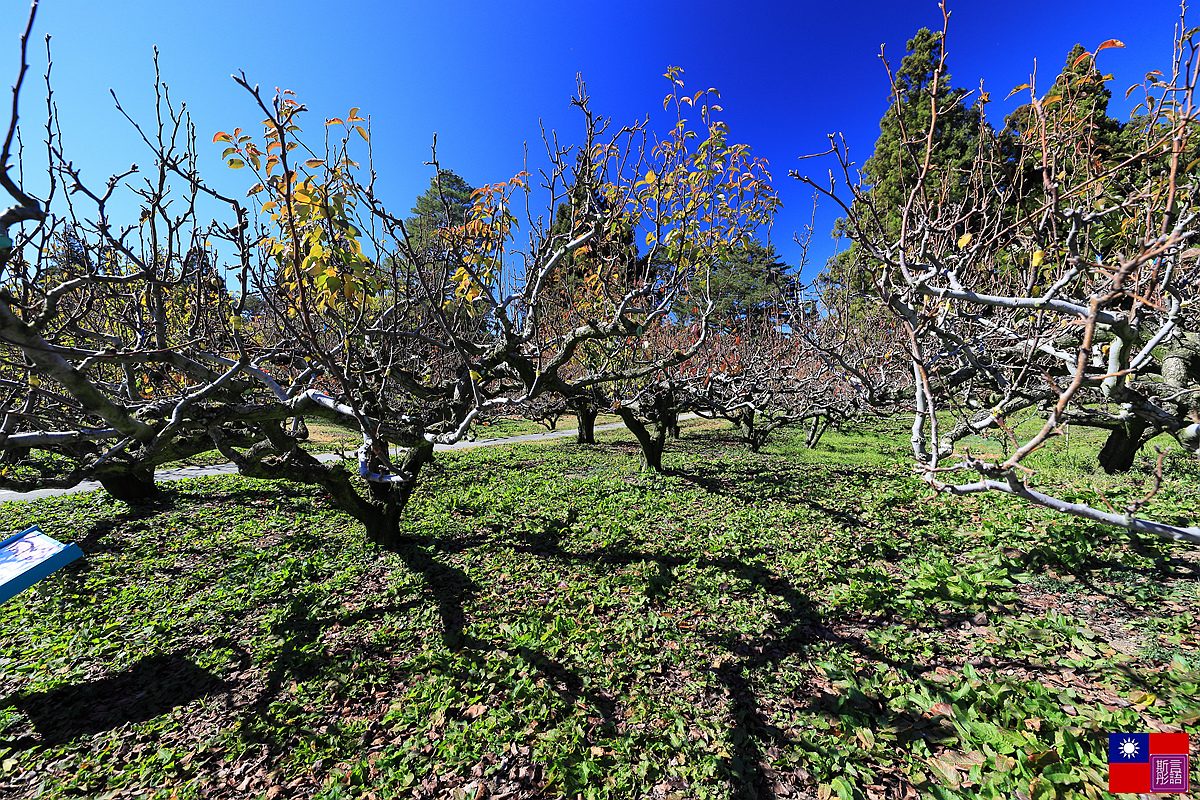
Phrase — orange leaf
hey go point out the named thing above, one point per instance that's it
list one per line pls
(1082, 56)
(222, 136)
(1110, 43)
(334, 121)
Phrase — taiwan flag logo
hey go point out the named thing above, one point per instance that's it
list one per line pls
(1147, 762)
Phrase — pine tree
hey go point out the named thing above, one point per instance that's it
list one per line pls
(1081, 138)
(443, 206)
(899, 154)
(744, 286)
(893, 169)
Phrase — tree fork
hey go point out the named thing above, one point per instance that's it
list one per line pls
(651, 443)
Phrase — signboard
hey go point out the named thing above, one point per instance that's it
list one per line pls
(28, 557)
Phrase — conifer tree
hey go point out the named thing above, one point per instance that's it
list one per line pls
(444, 205)
(904, 131)
(899, 156)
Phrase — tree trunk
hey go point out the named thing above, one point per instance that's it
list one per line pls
(651, 443)
(1122, 446)
(381, 516)
(671, 420)
(379, 511)
(129, 486)
(746, 428)
(586, 416)
(816, 431)
(299, 429)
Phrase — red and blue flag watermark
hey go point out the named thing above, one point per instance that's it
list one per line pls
(1147, 762)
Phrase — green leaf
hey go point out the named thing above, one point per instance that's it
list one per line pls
(843, 788)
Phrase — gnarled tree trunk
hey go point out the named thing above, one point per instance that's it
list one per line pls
(819, 425)
(745, 423)
(382, 521)
(129, 486)
(585, 415)
(1122, 446)
(650, 442)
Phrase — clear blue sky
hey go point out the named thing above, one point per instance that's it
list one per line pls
(482, 74)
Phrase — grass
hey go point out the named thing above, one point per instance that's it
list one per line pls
(507, 427)
(788, 624)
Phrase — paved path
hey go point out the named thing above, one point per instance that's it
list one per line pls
(183, 473)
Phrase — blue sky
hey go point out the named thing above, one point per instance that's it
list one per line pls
(482, 74)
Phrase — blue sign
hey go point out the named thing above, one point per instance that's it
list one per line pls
(28, 557)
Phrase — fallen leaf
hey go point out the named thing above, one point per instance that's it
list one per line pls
(942, 710)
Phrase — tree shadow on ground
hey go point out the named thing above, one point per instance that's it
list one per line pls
(96, 540)
(797, 487)
(753, 738)
(149, 688)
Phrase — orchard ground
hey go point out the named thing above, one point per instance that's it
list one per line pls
(790, 624)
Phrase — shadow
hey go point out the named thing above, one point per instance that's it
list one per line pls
(451, 589)
(754, 740)
(572, 686)
(151, 687)
(750, 486)
(94, 540)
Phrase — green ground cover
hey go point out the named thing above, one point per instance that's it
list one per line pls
(789, 624)
(505, 427)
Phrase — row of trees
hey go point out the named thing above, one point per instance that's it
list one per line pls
(127, 345)
(1042, 269)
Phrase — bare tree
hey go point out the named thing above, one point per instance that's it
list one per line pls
(128, 346)
(1067, 297)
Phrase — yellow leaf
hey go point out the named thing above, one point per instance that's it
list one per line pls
(362, 132)
(236, 163)
(314, 162)
(964, 240)
(475, 376)
(236, 322)
(34, 381)
(1038, 257)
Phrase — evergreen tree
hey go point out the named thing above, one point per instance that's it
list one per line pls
(615, 247)
(1081, 138)
(745, 286)
(899, 154)
(444, 205)
(893, 169)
